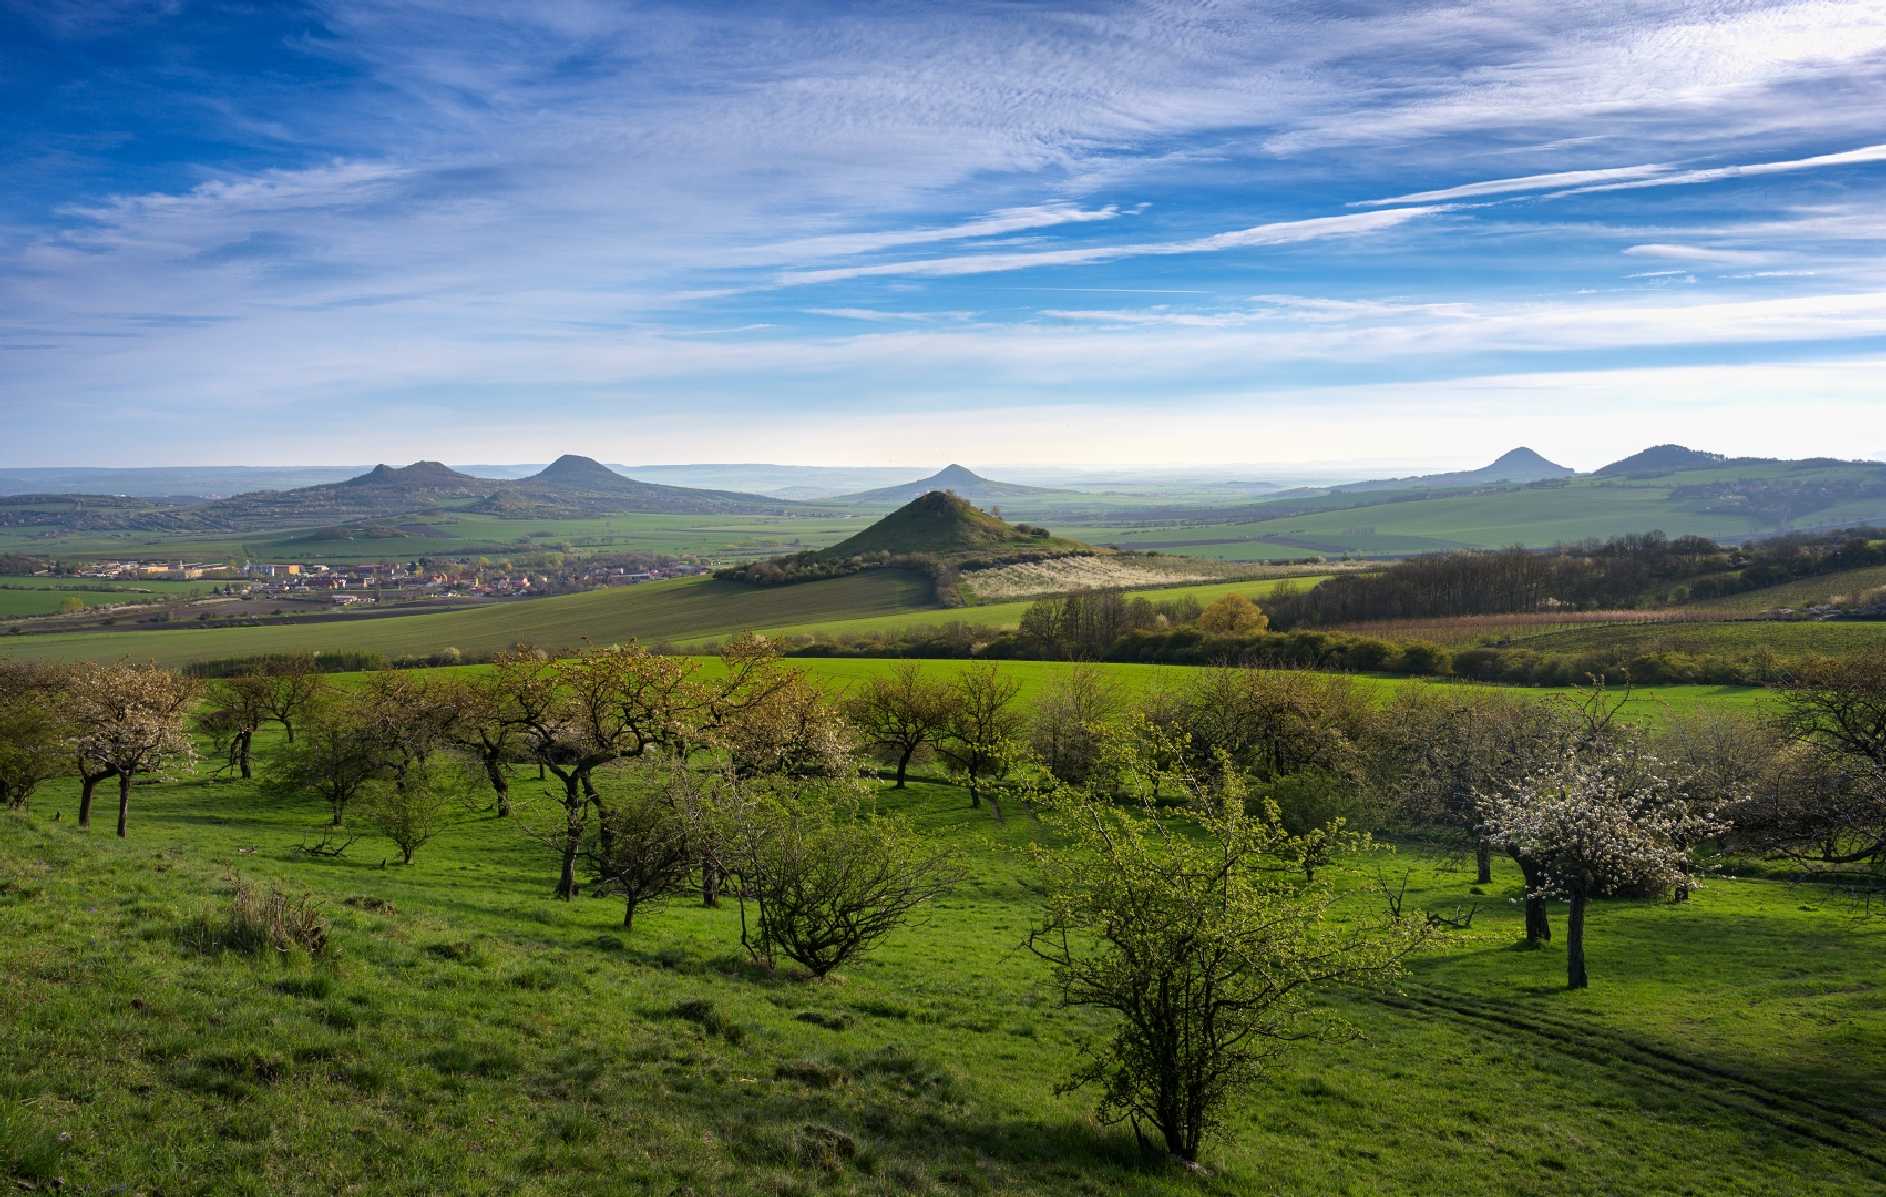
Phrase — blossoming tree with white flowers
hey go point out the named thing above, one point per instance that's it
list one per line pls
(131, 720)
(1600, 823)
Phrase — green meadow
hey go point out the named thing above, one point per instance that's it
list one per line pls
(469, 1033)
(24, 597)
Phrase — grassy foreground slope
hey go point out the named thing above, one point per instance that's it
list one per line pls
(471, 1034)
(689, 609)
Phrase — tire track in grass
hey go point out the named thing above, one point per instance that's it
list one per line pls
(1797, 1113)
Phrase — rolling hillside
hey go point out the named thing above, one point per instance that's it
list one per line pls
(1724, 501)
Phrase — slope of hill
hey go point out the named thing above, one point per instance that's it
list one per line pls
(942, 524)
(956, 479)
(1517, 466)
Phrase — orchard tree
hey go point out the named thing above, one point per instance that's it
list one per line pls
(900, 713)
(414, 806)
(132, 719)
(1438, 755)
(486, 725)
(828, 878)
(984, 723)
(1190, 929)
(1835, 710)
(1600, 822)
(1068, 722)
(292, 688)
(404, 719)
(644, 845)
(793, 730)
(333, 759)
(33, 730)
(233, 711)
(602, 706)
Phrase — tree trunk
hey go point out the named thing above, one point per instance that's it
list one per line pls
(124, 801)
(1483, 855)
(91, 781)
(1575, 942)
(1538, 927)
(288, 725)
(710, 883)
(903, 766)
(500, 784)
(573, 805)
(628, 916)
(242, 755)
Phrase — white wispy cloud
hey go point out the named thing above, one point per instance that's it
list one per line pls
(1010, 220)
(1696, 253)
(1560, 184)
(1715, 174)
(1545, 182)
(1282, 232)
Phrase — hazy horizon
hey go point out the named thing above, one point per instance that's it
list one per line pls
(1099, 235)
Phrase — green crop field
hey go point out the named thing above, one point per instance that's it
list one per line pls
(681, 610)
(469, 1033)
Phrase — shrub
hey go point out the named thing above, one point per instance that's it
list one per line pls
(829, 886)
(273, 921)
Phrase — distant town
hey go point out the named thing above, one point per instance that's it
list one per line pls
(384, 581)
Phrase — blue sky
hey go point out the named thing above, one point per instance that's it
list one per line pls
(877, 233)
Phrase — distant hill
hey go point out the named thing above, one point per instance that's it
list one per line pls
(943, 524)
(1517, 466)
(1662, 459)
(955, 479)
(575, 486)
(419, 477)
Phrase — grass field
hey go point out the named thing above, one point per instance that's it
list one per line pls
(682, 610)
(471, 1034)
(24, 597)
(1645, 704)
